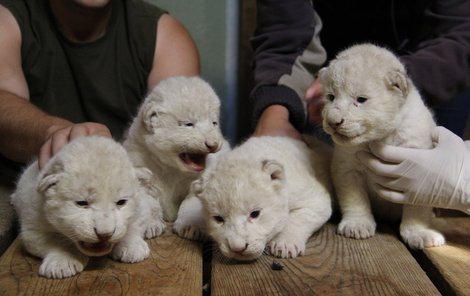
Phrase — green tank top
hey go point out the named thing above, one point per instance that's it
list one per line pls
(102, 81)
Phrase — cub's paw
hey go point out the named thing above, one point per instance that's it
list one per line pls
(131, 251)
(287, 248)
(189, 232)
(59, 266)
(358, 228)
(422, 238)
(154, 228)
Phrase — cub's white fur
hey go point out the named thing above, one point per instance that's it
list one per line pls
(176, 128)
(190, 222)
(85, 202)
(369, 97)
(269, 191)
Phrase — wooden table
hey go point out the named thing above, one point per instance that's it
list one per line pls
(333, 265)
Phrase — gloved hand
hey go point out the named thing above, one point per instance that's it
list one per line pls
(438, 177)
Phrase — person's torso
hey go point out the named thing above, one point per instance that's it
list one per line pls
(102, 81)
(390, 23)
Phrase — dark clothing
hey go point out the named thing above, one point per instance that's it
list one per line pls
(102, 81)
(432, 38)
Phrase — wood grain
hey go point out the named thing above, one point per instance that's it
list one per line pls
(452, 261)
(173, 268)
(332, 265)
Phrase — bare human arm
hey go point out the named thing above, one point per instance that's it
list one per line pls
(175, 52)
(26, 130)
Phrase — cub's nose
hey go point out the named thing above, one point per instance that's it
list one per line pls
(212, 147)
(240, 250)
(335, 123)
(103, 236)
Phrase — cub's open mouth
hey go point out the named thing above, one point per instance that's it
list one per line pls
(194, 161)
(95, 249)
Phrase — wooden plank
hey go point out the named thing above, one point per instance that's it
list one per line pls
(173, 268)
(333, 265)
(452, 261)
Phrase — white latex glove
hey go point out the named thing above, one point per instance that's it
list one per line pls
(438, 177)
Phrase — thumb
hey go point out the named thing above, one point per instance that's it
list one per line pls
(393, 154)
(313, 91)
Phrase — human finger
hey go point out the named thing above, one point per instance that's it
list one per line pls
(313, 91)
(45, 153)
(376, 165)
(59, 139)
(393, 154)
(391, 195)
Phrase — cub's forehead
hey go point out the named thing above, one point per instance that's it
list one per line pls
(99, 183)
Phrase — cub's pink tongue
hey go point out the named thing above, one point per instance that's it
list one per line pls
(194, 161)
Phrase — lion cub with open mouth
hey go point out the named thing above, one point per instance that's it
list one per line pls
(175, 130)
(369, 97)
(86, 201)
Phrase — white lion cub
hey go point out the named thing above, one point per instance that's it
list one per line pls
(369, 97)
(269, 191)
(85, 202)
(176, 127)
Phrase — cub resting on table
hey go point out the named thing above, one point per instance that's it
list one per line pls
(369, 97)
(269, 191)
(176, 128)
(86, 201)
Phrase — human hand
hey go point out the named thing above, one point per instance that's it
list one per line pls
(437, 177)
(313, 97)
(58, 136)
(274, 121)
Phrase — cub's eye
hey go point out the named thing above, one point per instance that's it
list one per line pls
(219, 219)
(121, 202)
(215, 123)
(361, 99)
(255, 214)
(186, 123)
(82, 203)
(330, 97)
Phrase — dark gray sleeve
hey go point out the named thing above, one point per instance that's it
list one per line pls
(287, 55)
(440, 64)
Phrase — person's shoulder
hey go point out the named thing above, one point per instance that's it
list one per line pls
(9, 18)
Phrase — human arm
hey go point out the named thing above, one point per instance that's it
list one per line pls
(175, 52)
(24, 127)
(287, 54)
(438, 177)
(439, 62)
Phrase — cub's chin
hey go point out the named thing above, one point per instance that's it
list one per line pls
(242, 257)
(95, 249)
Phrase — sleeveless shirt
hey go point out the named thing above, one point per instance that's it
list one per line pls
(102, 81)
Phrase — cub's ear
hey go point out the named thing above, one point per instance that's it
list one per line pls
(50, 176)
(275, 171)
(144, 175)
(197, 187)
(397, 80)
(322, 73)
(150, 114)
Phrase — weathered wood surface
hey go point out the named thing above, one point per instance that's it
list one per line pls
(452, 261)
(333, 265)
(173, 268)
